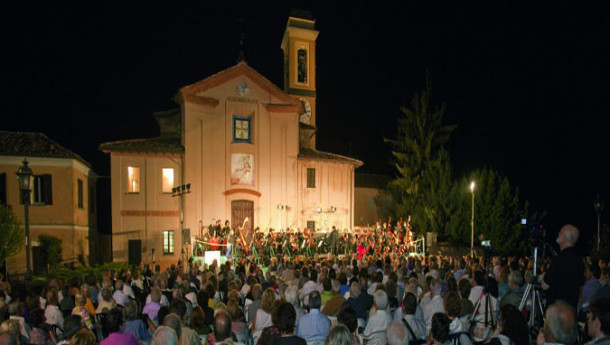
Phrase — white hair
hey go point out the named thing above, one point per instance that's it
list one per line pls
(396, 334)
(381, 299)
(164, 335)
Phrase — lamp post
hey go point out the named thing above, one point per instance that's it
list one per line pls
(598, 204)
(24, 175)
(472, 221)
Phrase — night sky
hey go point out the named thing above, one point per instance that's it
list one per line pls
(527, 84)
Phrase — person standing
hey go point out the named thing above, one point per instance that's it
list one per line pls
(566, 274)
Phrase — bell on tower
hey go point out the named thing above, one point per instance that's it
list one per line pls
(299, 46)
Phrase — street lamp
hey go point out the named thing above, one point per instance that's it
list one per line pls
(598, 204)
(24, 175)
(472, 221)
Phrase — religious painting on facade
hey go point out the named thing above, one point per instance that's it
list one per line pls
(242, 169)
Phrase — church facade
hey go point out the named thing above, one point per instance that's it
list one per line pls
(239, 149)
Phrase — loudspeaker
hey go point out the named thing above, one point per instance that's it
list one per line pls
(135, 252)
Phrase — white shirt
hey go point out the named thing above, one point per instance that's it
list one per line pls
(475, 294)
(430, 307)
(379, 321)
(120, 298)
(307, 288)
(54, 316)
(163, 302)
(418, 327)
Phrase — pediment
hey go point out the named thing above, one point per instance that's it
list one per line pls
(241, 69)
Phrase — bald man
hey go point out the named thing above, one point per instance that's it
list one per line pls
(566, 274)
(559, 325)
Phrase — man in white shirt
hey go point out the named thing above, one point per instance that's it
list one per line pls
(432, 302)
(416, 327)
(380, 319)
(310, 286)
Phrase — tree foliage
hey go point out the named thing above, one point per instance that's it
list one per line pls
(422, 162)
(497, 212)
(426, 189)
(50, 250)
(12, 234)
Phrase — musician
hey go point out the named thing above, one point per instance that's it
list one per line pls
(230, 242)
(210, 232)
(334, 241)
(225, 231)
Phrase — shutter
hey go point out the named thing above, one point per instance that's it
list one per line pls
(3, 189)
(47, 190)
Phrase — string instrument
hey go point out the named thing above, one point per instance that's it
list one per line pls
(241, 237)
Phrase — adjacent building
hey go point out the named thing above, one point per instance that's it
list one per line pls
(62, 200)
(238, 148)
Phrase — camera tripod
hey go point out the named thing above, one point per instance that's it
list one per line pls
(532, 292)
(482, 326)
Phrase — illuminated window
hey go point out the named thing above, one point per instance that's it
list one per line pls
(168, 180)
(168, 241)
(133, 180)
(302, 66)
(242, 129)
(311, 178)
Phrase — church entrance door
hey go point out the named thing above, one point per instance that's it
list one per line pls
(240, 209)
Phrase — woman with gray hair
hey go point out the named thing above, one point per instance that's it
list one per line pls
(164, 335)
(379, 318)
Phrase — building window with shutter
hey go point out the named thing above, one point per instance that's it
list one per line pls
(42, 190)
(311, 178)
(3, 189)
(133, 180)
(79, 186)
(168, 241)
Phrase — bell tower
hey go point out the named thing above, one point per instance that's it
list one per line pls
(299, 46)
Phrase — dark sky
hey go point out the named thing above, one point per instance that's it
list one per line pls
(527, 84)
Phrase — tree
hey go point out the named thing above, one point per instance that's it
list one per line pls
(497, 212)
(50, 250)
(12, 237)
(423, 165)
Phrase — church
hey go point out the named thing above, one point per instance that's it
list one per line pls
(238, 148)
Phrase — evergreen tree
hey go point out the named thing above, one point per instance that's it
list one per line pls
(424, 171)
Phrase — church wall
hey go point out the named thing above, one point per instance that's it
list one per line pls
(334, 183)
(209, 148)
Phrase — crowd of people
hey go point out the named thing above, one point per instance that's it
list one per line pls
(377, 299)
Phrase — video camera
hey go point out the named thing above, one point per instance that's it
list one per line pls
(535, 229)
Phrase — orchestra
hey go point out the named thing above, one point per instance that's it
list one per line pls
(382, 238)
